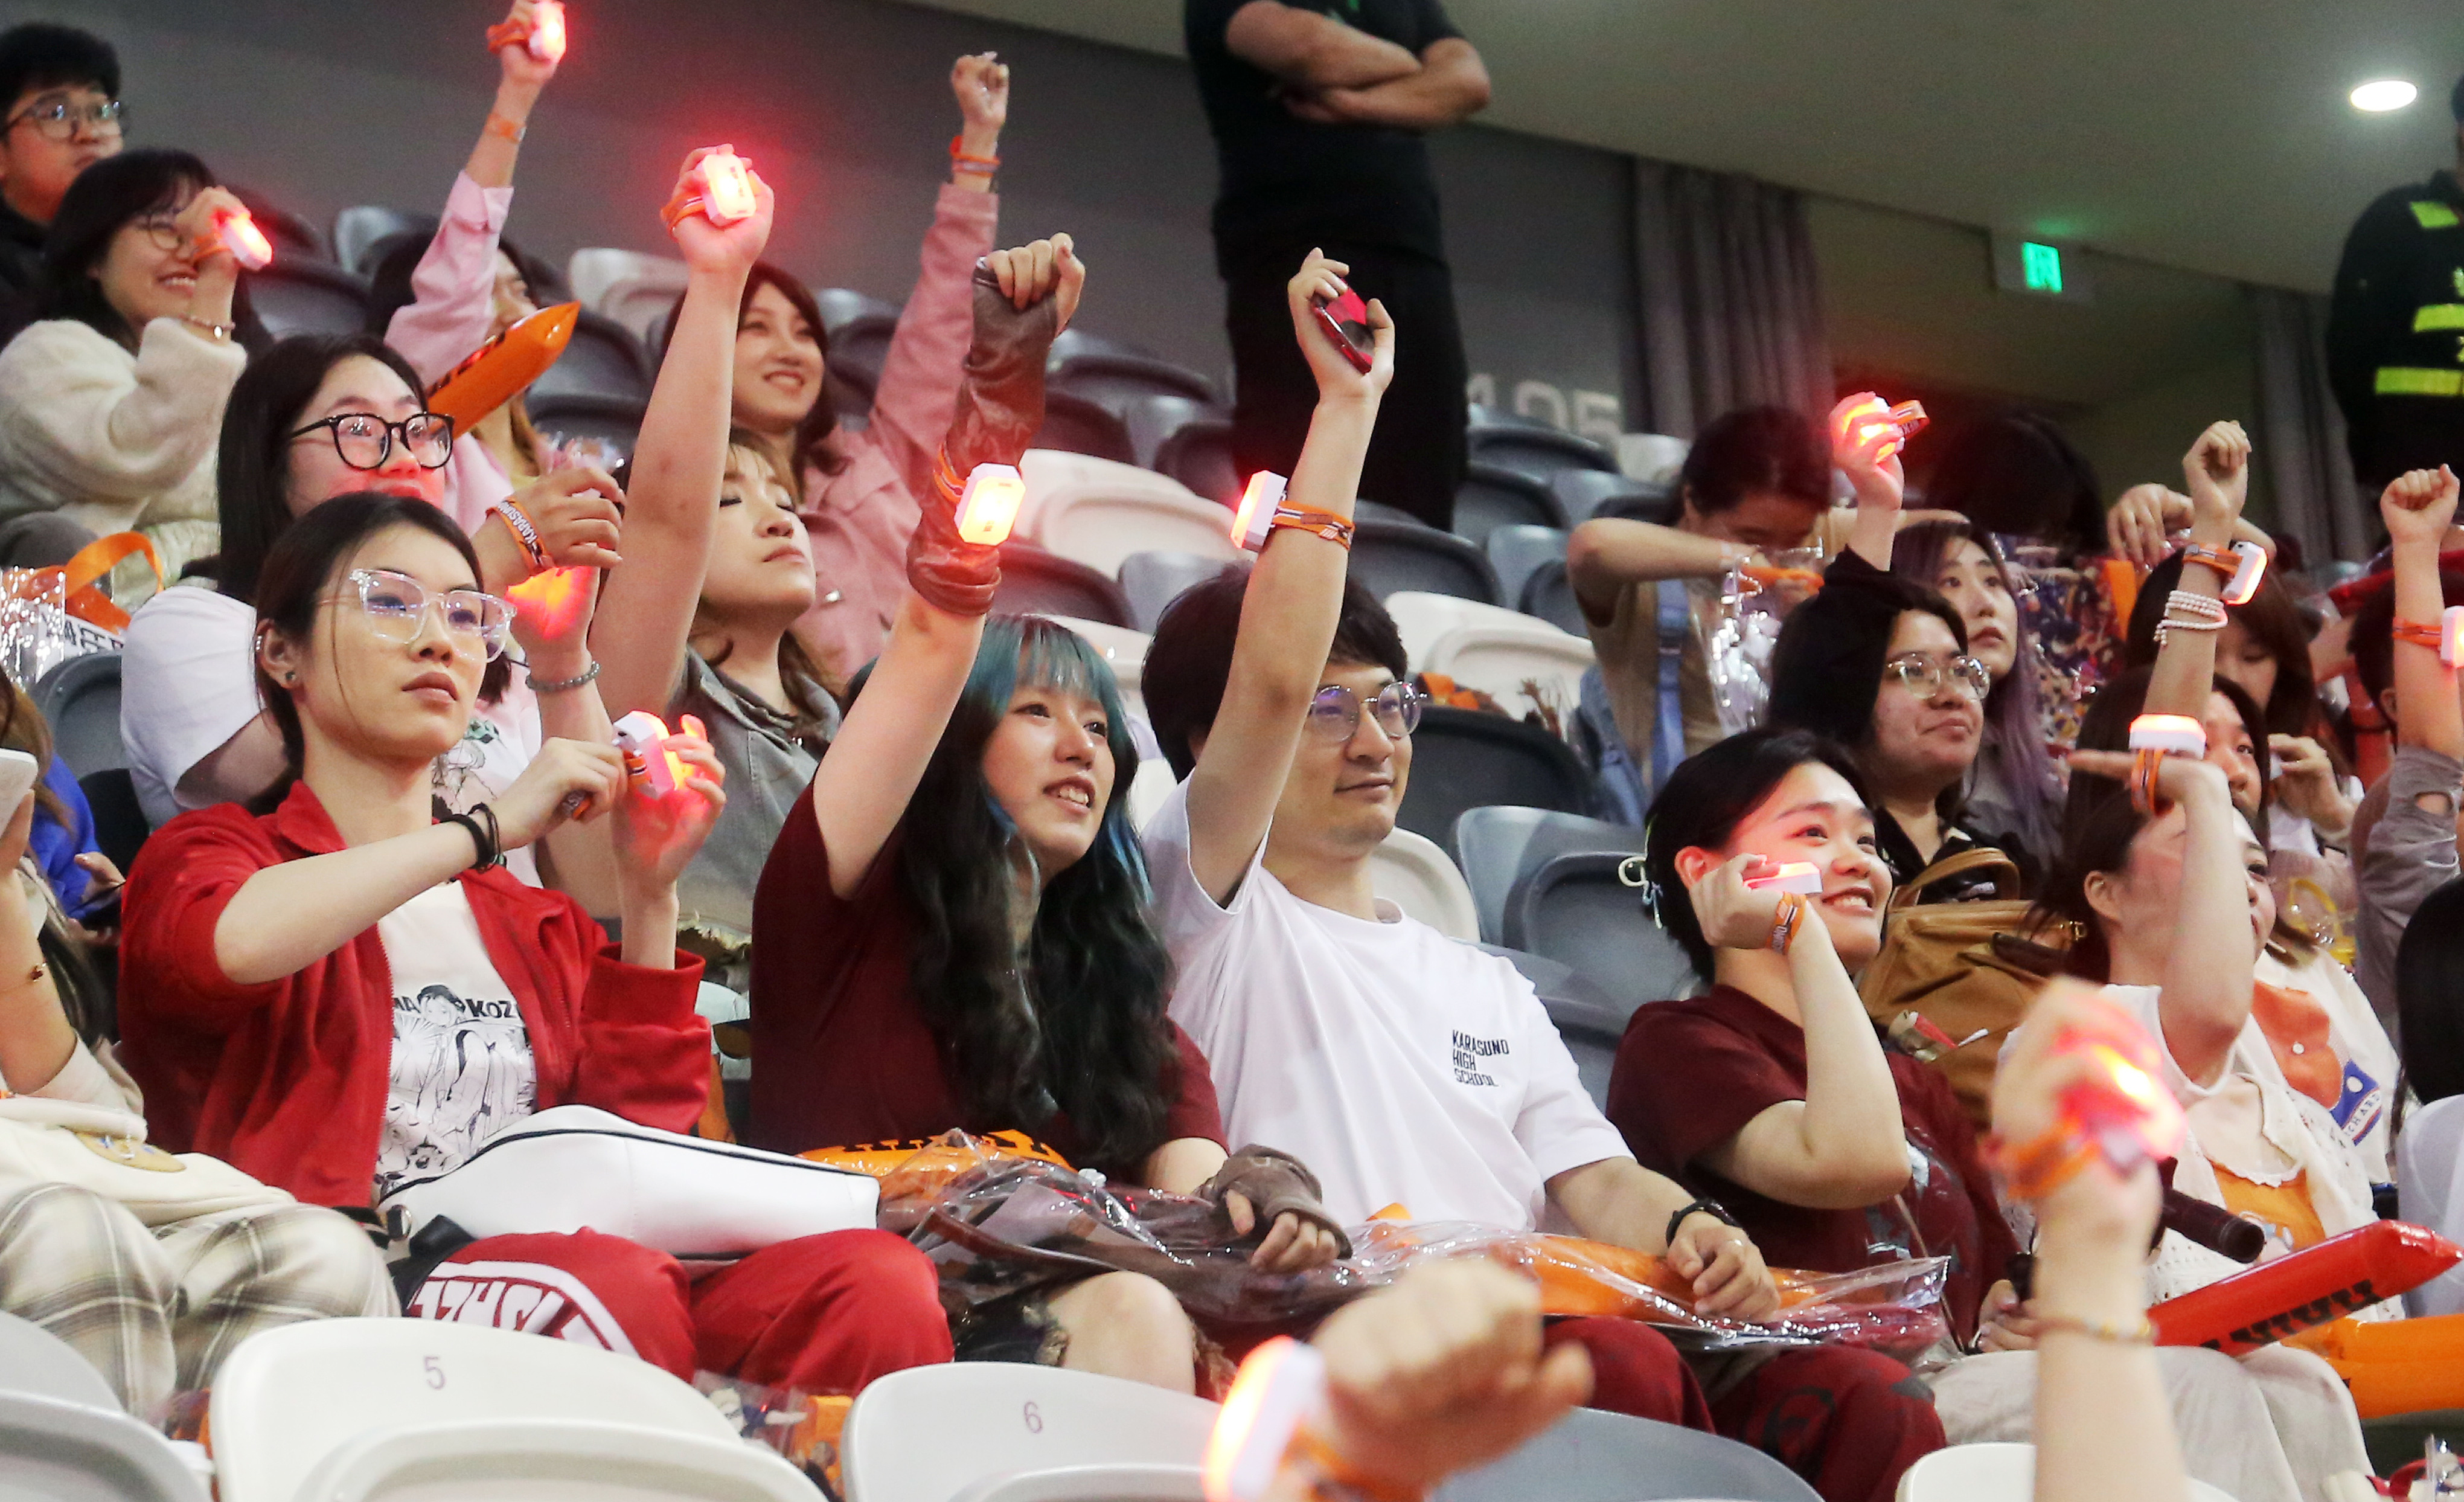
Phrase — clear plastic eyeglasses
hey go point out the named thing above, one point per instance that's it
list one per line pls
(1335, 713)
(1925, 673)
(397, 606)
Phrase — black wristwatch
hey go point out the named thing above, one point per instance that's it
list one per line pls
(1710, 1207)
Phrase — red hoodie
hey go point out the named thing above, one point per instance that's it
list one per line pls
(288, 1080)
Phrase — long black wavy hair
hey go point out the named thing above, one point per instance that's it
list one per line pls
(1081, 1027)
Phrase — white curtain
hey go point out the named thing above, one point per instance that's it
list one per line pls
(2301, 433)
(1731, 305)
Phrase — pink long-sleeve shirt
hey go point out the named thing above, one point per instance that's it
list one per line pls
(860, 518)
(451, 313)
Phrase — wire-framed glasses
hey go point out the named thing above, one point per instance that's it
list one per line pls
(1334, 712)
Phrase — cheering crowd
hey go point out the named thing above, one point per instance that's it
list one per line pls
(403, 888)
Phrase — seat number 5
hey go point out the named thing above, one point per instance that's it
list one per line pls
(435, 1372)
(1034, 1416)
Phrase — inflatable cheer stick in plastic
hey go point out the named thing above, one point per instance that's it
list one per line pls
(504, 366)
(2339, 1277)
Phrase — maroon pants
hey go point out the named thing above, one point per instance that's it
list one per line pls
(826, 1314)
(1848, 1420)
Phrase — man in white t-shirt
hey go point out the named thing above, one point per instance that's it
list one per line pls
(1404, 1068)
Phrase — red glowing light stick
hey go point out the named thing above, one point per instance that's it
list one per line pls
(546, 41)
(2121, 1106)
(643, 738)
(1871, 421)
(1275, 1391)
(989, 509)
(1800, 876)
(1259, 505)
(726, 187)
(239, 234)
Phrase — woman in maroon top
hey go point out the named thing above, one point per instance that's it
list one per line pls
(1771, 1093)
(953, 931)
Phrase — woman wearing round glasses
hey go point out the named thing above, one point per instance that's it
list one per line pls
(1881, 666)
(109, 405)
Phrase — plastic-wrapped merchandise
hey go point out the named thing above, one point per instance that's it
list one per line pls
(50, 615)
(999, 1225)
(803, 1427)
(1741, 625)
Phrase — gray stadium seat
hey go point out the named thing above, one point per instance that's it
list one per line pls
(359, 231)
(1037, 582)
(1589, 1021)
(1533, 449)
(1593, 1456)
(1113, 380)
(1549, 594)
(604, 359)
(1199, 453)
(1491, 497)
(1516, 551)
(1390, 557)
(306, 296)
(842, 306)
(1153, 580)
(1497, 846)
(1578, 910)
(1585, 494)
(1465, 758)
(1076, 425)
(1153, 417)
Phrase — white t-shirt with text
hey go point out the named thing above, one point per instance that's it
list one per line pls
(1404, 1067)
(462, 1064)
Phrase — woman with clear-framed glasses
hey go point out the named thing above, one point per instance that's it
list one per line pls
(110, 401)
(1881, 665)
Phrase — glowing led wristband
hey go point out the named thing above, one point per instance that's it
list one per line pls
(1871, 419)
(2241, 568)
(543, 36)
(1280, 1384)
(2174, 734)
(725, 195)
(2447, 637)
(989, 507)
(1262, 510)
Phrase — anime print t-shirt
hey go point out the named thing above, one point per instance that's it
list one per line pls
(462, 1065)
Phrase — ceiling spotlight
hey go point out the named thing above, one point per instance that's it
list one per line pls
(2382, 95)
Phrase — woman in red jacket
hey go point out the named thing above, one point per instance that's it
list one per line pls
(334, 991)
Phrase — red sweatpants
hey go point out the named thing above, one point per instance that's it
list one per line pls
(826, 1314)
(1847, 1420)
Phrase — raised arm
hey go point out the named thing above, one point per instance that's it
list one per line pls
(1450, 87)
(2418, 508)
(1842, 1147)
(881, 750)
(2209, 965)
(2217, 470)
(679, 463)
(1305, 50)
(1868, 453)
(2141, 524)
(1295, 596)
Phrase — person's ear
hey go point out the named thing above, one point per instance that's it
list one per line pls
(280, 657)
(1694, 863)
(2103, 891)
(2386, 705)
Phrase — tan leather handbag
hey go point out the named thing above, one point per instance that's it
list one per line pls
(1953, 979)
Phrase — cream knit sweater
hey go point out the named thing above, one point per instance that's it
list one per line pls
(110, 440)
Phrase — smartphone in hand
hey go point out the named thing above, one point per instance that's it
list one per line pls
(1346, 322)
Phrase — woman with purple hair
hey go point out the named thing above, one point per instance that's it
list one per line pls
(2015, 788)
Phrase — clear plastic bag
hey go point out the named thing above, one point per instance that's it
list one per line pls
(998, 1225)
(1741, 625)
(803, 1427)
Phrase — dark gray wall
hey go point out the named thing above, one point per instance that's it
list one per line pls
(843, 106)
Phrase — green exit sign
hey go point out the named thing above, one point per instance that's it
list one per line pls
(2039, 268)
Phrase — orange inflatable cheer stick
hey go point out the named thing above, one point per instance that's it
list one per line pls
(2338, 1276)
(504, 366)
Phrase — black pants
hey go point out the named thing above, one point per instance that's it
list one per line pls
(1416, 458)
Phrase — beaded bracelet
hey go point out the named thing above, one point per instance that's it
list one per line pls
(544, 686)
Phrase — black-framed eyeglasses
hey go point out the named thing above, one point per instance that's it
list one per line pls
(1925, 673)
(364, 440)
(1334, 712)
(397, 606)
(60, 118)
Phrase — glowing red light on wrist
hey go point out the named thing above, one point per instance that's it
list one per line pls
(1800, 876)
(546, 41)
(1259, 505)
(989, 508)
(643, 738)
(1277, 1387)
(2178, 735)
(726, 187)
